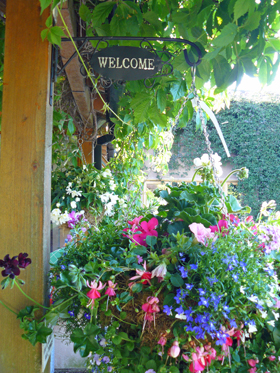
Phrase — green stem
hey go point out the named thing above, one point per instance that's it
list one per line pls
(8, 308)
(32, 300)
(52, 309)
(194, 175)
(229, 175)
(122, 320)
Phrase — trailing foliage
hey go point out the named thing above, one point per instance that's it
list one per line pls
(251, 128)
(234, 36)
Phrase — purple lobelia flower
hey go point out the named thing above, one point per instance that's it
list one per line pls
(11, 266)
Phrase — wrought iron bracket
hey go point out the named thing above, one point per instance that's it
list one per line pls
(148, 40)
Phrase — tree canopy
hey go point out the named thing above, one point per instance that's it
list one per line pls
(236, 37)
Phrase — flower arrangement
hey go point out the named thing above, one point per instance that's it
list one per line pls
(84, 188)
(187, 290)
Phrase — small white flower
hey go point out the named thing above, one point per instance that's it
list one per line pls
(181, 317)
(263, 314)
(242, 289)
(73, 204)
(63, 197)
(85, 167)
(271, 322)
(276, 315)
(253, 298)
(197, 162)
(252, 328)
(269, 303)
(77, 199)
(58, 204)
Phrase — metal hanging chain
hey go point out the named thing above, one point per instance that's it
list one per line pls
(80, 143)
(208, 143)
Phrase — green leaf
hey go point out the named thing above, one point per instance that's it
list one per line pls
(44, 33)
(136, 288)
(253, 21)
(117, 339)
(210, 55)
(227, 35)
(222, 70)
(151, 240)
(178, 89)
(71, 128)
(139, 250)
(177, 280)
(240, 8)
(55, 35)
(161, 99)
(101, 12)
(44, 4)
(49, 21)
(151, 364)
(85, 13)
(130, 346)
(173, 370)
(179, 63)
(140, 105)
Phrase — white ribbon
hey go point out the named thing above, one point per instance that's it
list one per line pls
(215, 122)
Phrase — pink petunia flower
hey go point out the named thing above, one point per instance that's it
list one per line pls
(201, 233)
(271, 358)
(252, 362)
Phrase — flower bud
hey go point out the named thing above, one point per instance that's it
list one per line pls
(174, 350)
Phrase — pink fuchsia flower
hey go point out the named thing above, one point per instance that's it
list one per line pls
(252, 362)
(94, 293)
(174, 350)
(185, 357)
(201, 233)
(271, 358)
(198, 360)
(211, 354)
(151, 305)
(110, 290)
(238, 335)
(162, 341)
(160, 271)
(221, 227)
(252, 370)
(143, 275)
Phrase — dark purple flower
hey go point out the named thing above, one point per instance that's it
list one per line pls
(10, 265)
(179, 310)
(71, 313)
(23, 260)
(184, 272)
(194, 266)
(189, 286)
(87, 316)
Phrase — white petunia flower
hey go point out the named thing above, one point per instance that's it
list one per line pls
(73, 204)
(276, 315)
(263, 314)
(181, 317)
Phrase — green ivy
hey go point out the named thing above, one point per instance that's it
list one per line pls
(251, 129)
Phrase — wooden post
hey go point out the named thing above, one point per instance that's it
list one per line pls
(25, 172)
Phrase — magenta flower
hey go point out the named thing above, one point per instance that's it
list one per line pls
(174, 350)
(146, 229)
(271, 358)
(200, 232)
(221, 227)
(74, 219)
(110, 290)
(94, 293)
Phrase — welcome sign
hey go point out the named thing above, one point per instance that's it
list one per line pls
(126, 63)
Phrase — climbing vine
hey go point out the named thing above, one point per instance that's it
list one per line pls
(250, 127)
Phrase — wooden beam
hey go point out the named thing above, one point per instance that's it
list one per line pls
(25, 172)
(80, 91)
